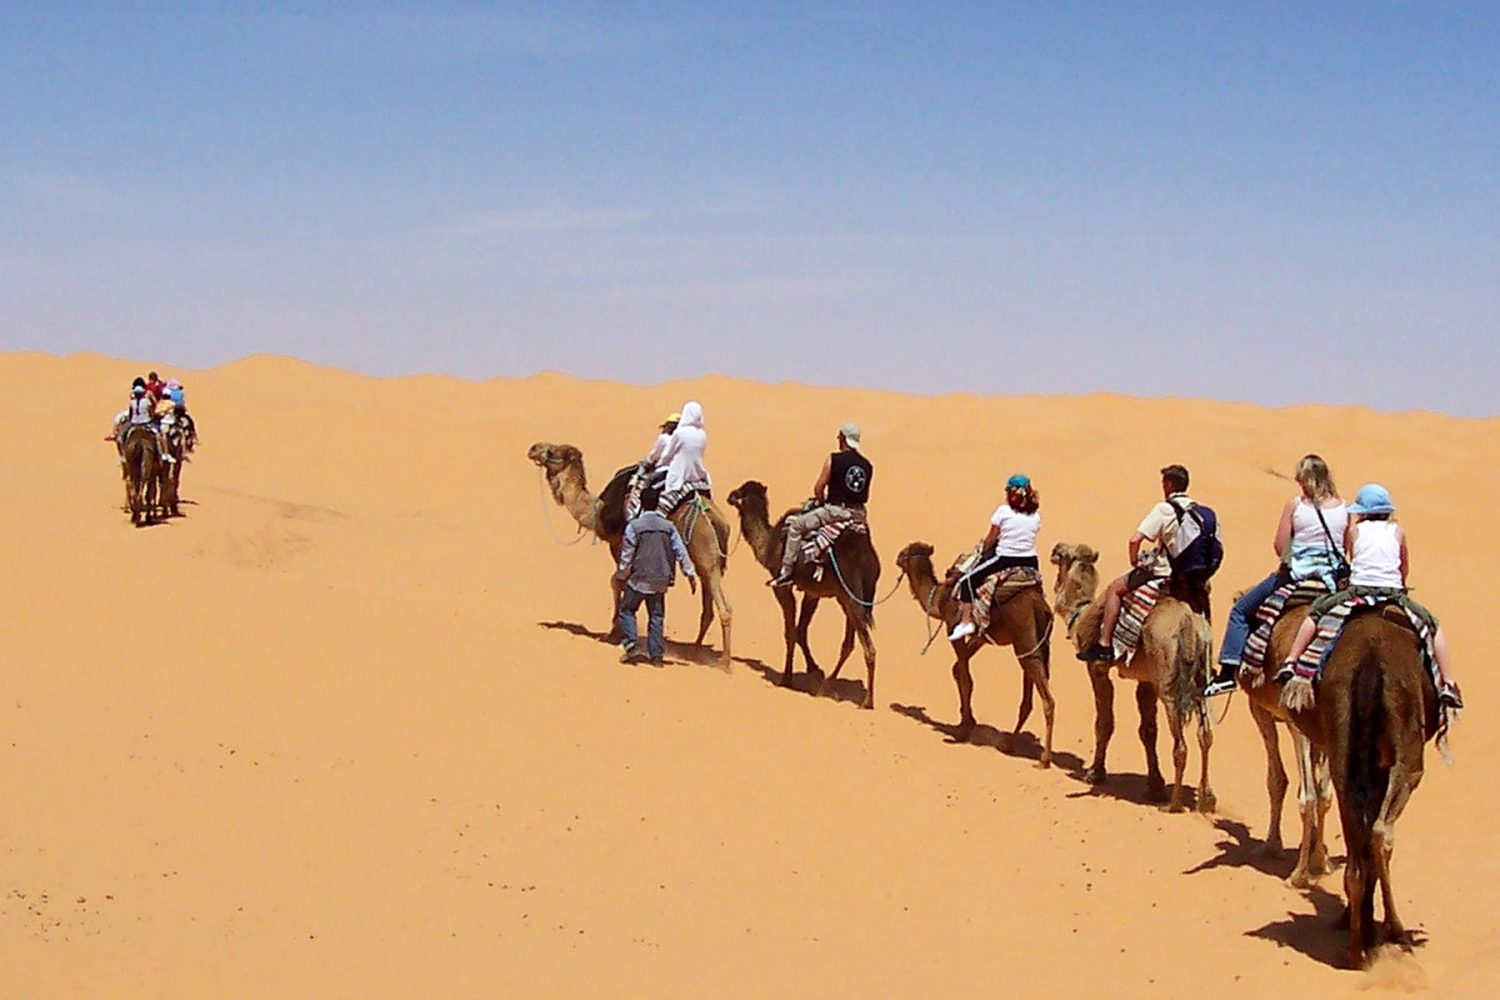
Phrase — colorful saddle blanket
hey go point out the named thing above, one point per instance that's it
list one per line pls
(1331, 625)
(817, 544)
(1137, 604)
(998, 589)
(1284, 598)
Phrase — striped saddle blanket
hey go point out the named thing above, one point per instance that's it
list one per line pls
(1331, 625)
(1000, 588)
(1137, 604)
(1284, 598)
(817, 545)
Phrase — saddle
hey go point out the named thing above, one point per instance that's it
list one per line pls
(1000, 588)
(1284, 599)
(817, 545)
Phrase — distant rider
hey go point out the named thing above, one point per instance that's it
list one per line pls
(839, 494)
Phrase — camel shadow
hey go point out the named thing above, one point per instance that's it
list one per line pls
(1025, 745)
(682, 651)
(839, 689)
(1322, 935)
(1240, 850)
(1135, 789)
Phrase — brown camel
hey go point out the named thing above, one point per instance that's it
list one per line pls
(1315, 790)
(1024, 622)
(1170, 665)
(851, 582)
(1376, 709)
(141, 474)
(604, 515)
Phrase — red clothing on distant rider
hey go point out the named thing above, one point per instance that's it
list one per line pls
(156, 389)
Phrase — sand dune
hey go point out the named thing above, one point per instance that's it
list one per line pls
(346, 729)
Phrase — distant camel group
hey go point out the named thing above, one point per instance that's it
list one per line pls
(152, 484)
(1364, 739)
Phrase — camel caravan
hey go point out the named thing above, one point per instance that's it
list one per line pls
(154, 437)
(1329, 646)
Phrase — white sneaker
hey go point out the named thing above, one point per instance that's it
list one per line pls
(170, 459)
(962, 631)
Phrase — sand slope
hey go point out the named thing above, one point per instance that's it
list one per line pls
(346, 729)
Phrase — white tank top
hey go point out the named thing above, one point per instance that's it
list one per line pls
(1377, 555)
(1017, 531)
(1308, 530)
(140, 410)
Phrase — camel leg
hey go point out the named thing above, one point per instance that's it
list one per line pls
(1207, 801)
(866, 640)
(726, 615)
(1403, 780)
(1028, 688)
(804, 620)
(1323, 782)
(846, 647)
(616, 591)
(1145, 703)
(1178, 728)
(1276, 784)
(1304, 875)
(1104, 720)
(706, 614)
(788, 602)
(964, 678)
(1035, 672)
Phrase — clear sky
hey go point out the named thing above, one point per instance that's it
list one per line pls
(1272, 202)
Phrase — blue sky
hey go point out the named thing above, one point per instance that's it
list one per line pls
(1278, 203)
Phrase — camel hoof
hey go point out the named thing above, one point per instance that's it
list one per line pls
(868, 704)
(1156, 791)
(786, 680)
(1208, 803)
(1044, 762)
(963, 730)
(1174, 807)
(1095, 775)
(1300, 880)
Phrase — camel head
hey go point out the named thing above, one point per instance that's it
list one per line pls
(911, 558)
(1077, 577)
(750, 489)
(554, 457)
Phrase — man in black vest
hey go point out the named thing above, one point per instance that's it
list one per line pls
(652, 549)
(841, 492)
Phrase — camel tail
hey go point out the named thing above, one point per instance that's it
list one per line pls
(1366, 722)
(1190, 667)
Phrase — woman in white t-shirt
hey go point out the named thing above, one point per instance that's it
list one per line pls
(1010, 543)
(1376, 548)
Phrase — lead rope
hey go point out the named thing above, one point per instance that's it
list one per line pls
(547, 520)
(862, 603)
(928, 605)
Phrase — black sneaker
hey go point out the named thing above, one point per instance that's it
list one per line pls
(1098, 651)
(1219, 685)
(629, 655)
(1286, 673)
(780, 580)
(1449, 695)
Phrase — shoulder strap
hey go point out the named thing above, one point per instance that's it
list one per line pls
(1338, 550)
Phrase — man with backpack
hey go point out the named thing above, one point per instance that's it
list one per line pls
(652, 545)
(1186, 546)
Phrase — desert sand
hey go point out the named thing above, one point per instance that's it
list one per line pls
(348, 728)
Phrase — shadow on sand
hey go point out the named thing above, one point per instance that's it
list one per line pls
(1025, 745)
(682, 651)
(1239, 849)
(840, 689)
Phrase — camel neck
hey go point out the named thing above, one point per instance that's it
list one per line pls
(575, 498)
(926, 589)
(755, 525)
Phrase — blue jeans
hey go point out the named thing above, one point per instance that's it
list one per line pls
(1237, 632)
(656, 615)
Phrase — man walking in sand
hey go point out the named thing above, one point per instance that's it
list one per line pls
(652, 545)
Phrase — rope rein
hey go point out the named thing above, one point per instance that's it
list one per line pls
(857, 600)
(541, 497)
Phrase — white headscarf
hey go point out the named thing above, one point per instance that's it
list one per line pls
(692, 414)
